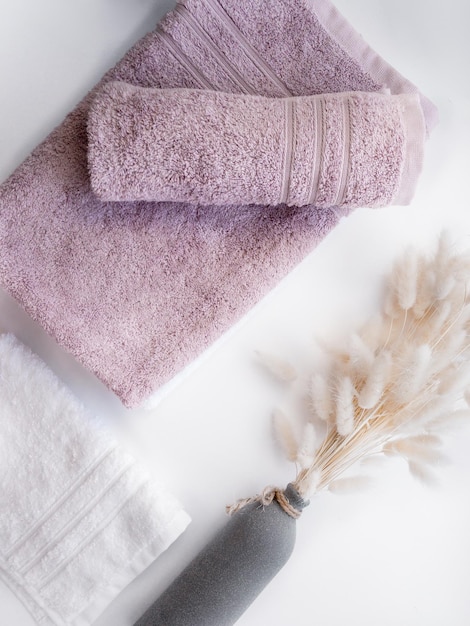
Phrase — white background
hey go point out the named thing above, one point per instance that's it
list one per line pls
(398, 554)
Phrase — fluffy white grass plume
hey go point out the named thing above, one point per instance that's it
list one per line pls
(278, 367)
(400, 382)
(321, 401)
(286, 435)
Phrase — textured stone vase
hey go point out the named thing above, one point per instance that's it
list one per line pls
(221, 582)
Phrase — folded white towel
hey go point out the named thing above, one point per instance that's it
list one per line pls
(78, 518)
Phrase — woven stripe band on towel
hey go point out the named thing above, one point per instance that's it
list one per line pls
(79, 519)
(137, 290)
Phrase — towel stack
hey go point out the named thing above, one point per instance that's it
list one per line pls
(136, 287)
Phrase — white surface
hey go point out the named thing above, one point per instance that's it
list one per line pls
(396, 555)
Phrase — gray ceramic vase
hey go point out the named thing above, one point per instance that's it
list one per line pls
(221, 582)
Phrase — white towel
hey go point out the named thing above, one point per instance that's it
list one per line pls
(78, 518)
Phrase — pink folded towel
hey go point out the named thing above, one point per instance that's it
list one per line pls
(137, 290)
(345, 149)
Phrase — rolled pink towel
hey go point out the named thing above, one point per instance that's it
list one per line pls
(344, 149)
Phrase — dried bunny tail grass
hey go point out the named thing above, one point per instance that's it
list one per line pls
(445, 287)
(451, 266)
(285, 435)
(458, 297)
(444, 254)
(439, 318)
(459, 267)
(349, 485)
(308, 481)
(308, 446)
(397, 386)
(373, 461)
(376, 380)
(280, 368)
(321, 402)
(361, 356)
(454, 377)
(451, 345)
(345, 406)
(375, 332)
(413, 373)
(403, 280)
(392, 308)
(430, 416)
(441, 278)
(413, 450)
(426, 439)
(448, 420)
(422, 473)
(425, 296)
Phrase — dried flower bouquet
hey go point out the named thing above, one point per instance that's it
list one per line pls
(397, 386)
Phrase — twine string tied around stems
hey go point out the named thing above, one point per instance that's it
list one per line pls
(265, 498)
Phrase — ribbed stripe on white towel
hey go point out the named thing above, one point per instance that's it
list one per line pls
(79, 519)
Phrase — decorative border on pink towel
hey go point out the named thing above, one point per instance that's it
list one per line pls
(251, 52)
(414, 124)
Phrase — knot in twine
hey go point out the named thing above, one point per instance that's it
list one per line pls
(265, 498)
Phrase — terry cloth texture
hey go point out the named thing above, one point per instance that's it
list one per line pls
(137, 290)
(345, 150)
(79, 519)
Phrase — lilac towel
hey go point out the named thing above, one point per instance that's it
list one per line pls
(137, 290)
(349, 150)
